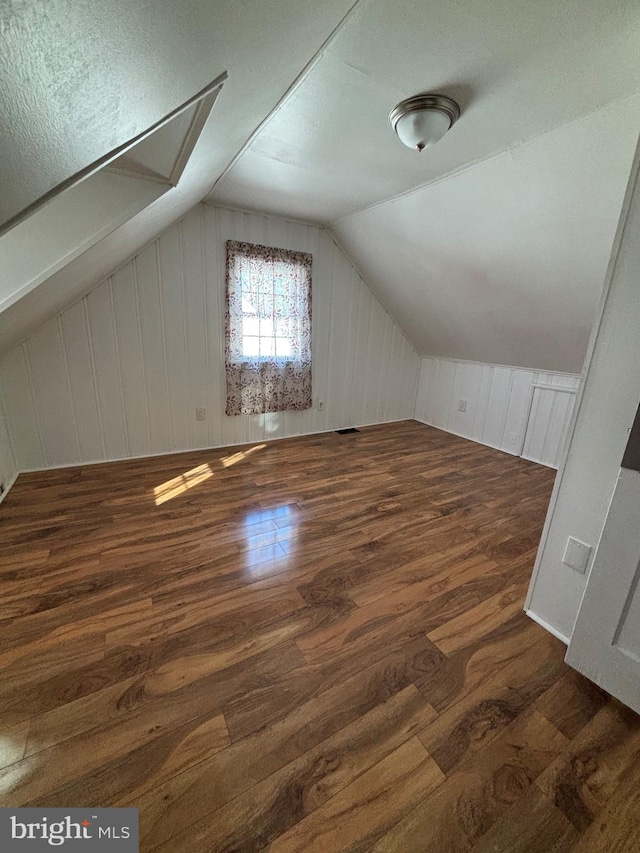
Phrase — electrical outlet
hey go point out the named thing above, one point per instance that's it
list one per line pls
(321, 405)
(201, 414)
(511, 438)
(462, 405)
(576, 555)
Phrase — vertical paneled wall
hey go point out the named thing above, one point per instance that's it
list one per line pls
(8, 465)
(524, 412)
(121, 372)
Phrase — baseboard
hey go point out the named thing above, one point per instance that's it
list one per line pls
(202, 449)
(547, 626)
(8, 486)
(474, 440)
(487, 444)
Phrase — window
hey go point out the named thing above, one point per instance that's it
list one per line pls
(268, 329)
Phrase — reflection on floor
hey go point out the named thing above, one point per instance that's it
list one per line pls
(315, 644)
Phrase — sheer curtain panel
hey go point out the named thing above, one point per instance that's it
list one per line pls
(267, 330)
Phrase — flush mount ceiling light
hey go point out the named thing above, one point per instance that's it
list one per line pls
(423, 120)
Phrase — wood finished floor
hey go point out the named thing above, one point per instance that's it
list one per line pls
(315, 645)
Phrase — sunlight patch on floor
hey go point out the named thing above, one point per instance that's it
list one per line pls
(228, 461)
(179, 485)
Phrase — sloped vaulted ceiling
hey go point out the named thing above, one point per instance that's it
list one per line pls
(80, 79)
(505, 262)
(490, 246)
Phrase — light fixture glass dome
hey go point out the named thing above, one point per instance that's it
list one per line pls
(423, 120)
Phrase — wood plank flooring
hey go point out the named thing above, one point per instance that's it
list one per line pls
(317, 644)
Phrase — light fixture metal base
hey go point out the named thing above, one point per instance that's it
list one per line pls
(430, 101)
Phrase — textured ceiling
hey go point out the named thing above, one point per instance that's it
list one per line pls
(80, 79)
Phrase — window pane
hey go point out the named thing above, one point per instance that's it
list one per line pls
(265, 304)
(251, 326)
(267, 346)
(250, 346)
(266, 328)
(248, 303)
(283, 347)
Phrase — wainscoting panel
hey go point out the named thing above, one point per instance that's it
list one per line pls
(8, 465)
(549, 417)
(523, 412)
(121, 372)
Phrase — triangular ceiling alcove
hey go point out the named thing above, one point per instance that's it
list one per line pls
(162, 156)
(74, 217)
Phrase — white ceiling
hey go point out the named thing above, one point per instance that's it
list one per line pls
(80, 79)
(504, 263)
(518, 69)
(300, 129)
(484, 247)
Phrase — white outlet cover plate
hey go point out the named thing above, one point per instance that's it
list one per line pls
(576, 555)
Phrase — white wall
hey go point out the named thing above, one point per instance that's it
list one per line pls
(8, 464)
(604, 417)
(121, 372)
(515, 410)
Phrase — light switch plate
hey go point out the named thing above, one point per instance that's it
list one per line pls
(576, 555)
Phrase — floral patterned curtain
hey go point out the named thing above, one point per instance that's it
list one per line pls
(268, 329)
